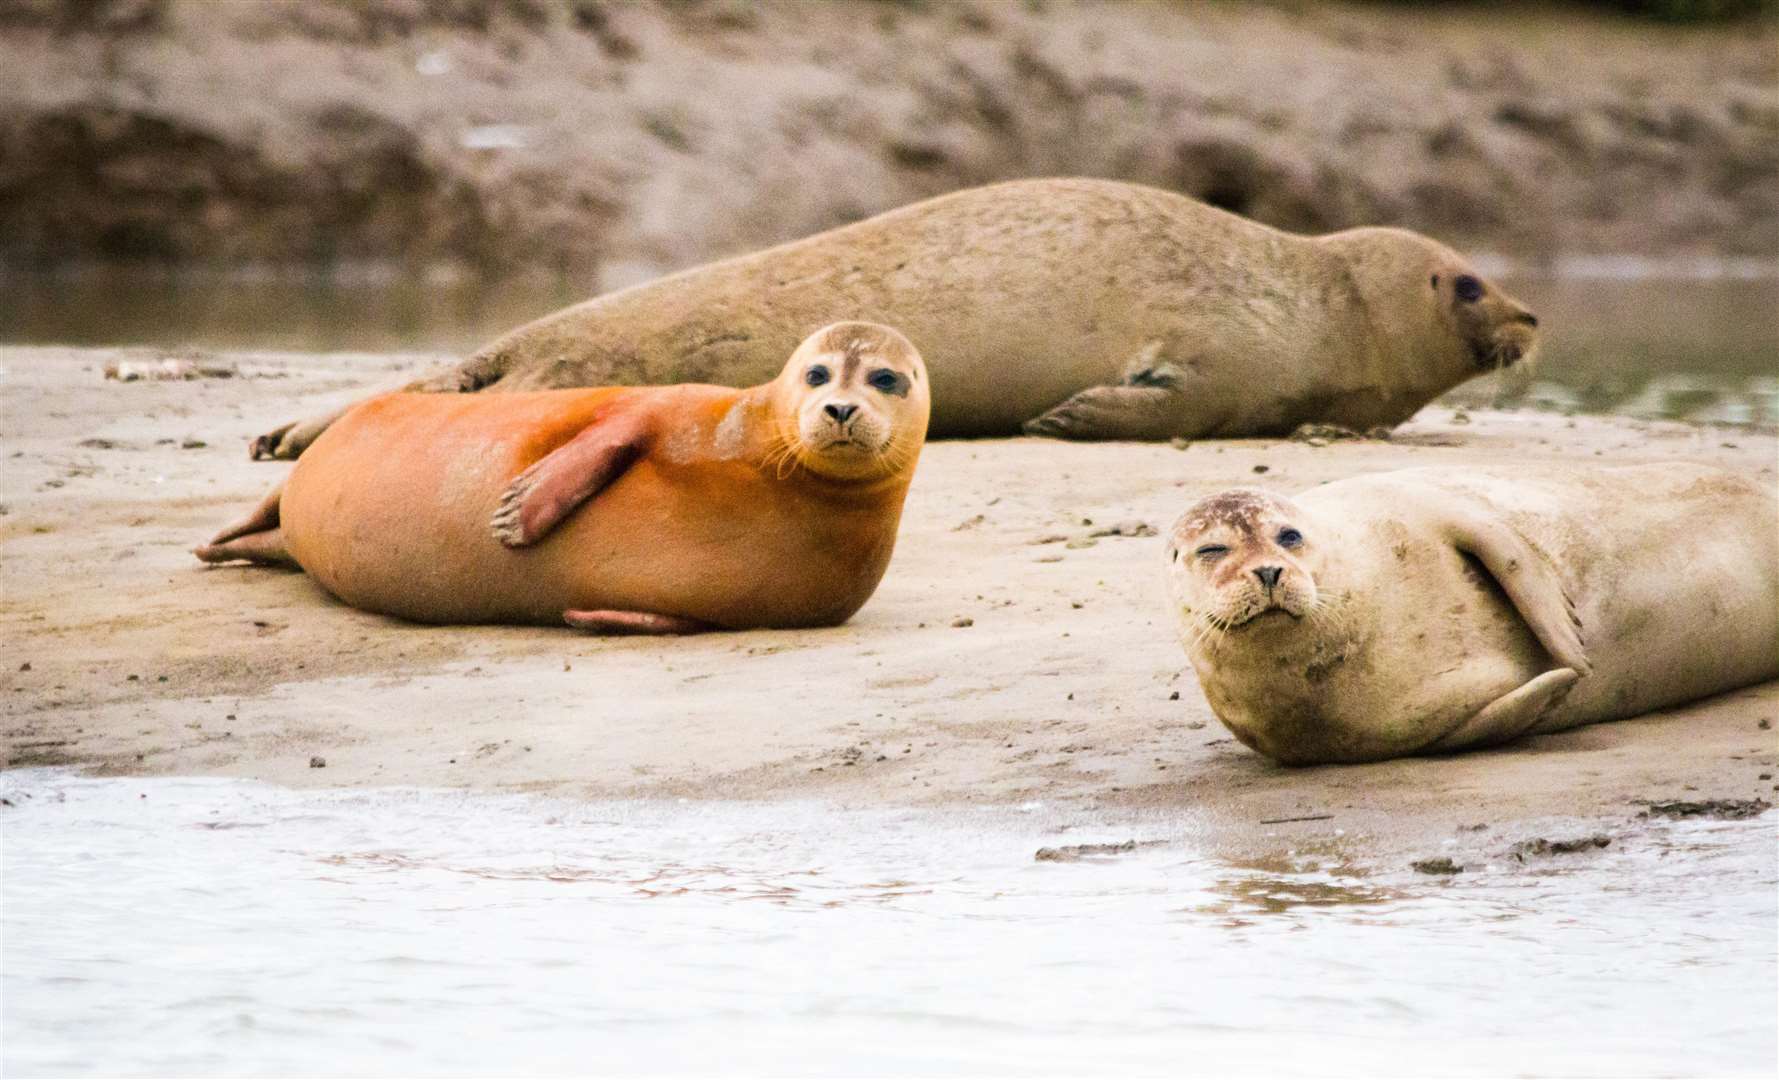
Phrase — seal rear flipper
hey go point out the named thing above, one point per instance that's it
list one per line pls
(266, 548)
(261, 518)
(1531, 582)
(559, 482)
(289, 441)
(1116, 412)
(1512, 714)
(633, 622)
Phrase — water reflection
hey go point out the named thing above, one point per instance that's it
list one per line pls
(1319, 875)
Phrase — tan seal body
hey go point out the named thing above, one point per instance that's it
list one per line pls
(1436, 609)
(1079, 308)
(621, 509)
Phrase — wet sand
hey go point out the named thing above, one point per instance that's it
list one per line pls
(997, 664)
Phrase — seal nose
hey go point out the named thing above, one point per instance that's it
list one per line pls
(840, 413)
(1269, 575)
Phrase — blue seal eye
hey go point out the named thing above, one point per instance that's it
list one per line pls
(1467, 288)
(816, 375)
(1290, 538)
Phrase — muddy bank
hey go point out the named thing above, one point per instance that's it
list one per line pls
(996, 664)
(615, 141)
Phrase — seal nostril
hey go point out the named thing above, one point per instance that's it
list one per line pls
(1528, 318)
(840, 413)
(1269, 575)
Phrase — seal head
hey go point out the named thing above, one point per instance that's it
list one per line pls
(1243, 559)
(1432, 308)
(852, 403)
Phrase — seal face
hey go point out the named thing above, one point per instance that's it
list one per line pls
(1242, 554)
(1083, 309)
(858, 396)
(1498, 331)
(1429, 610)
(617, 510)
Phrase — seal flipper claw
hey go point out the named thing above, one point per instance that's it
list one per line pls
(266, 446)
(1532, 583)
(633, 622)
(287, 443)
(1513, 714)
(559, 482)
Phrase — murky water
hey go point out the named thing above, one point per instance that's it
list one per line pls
(1680, 349)
(218, 927)
(1664, 340)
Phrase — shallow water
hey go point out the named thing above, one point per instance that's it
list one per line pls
(1678, 349)
(1677, 341)
(209, 927)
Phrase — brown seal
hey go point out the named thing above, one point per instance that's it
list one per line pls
(1086, 309)
(1436, 609)
(653, 509)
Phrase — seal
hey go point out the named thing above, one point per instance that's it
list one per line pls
(1433, 609)
(1084, 309)
(640, 510)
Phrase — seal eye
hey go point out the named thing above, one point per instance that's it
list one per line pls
(816, 375)
(888, 382)
(1467, 288)
(1433, 281)
(1211, 552)
(1290, 538)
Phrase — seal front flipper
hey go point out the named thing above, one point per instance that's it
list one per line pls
(1530, 581)
(1512, 714)
(559, 482)
(633, 622)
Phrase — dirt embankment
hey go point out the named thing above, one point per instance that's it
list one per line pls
(614, 141)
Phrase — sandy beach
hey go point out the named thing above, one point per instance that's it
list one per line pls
(1018, 650)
